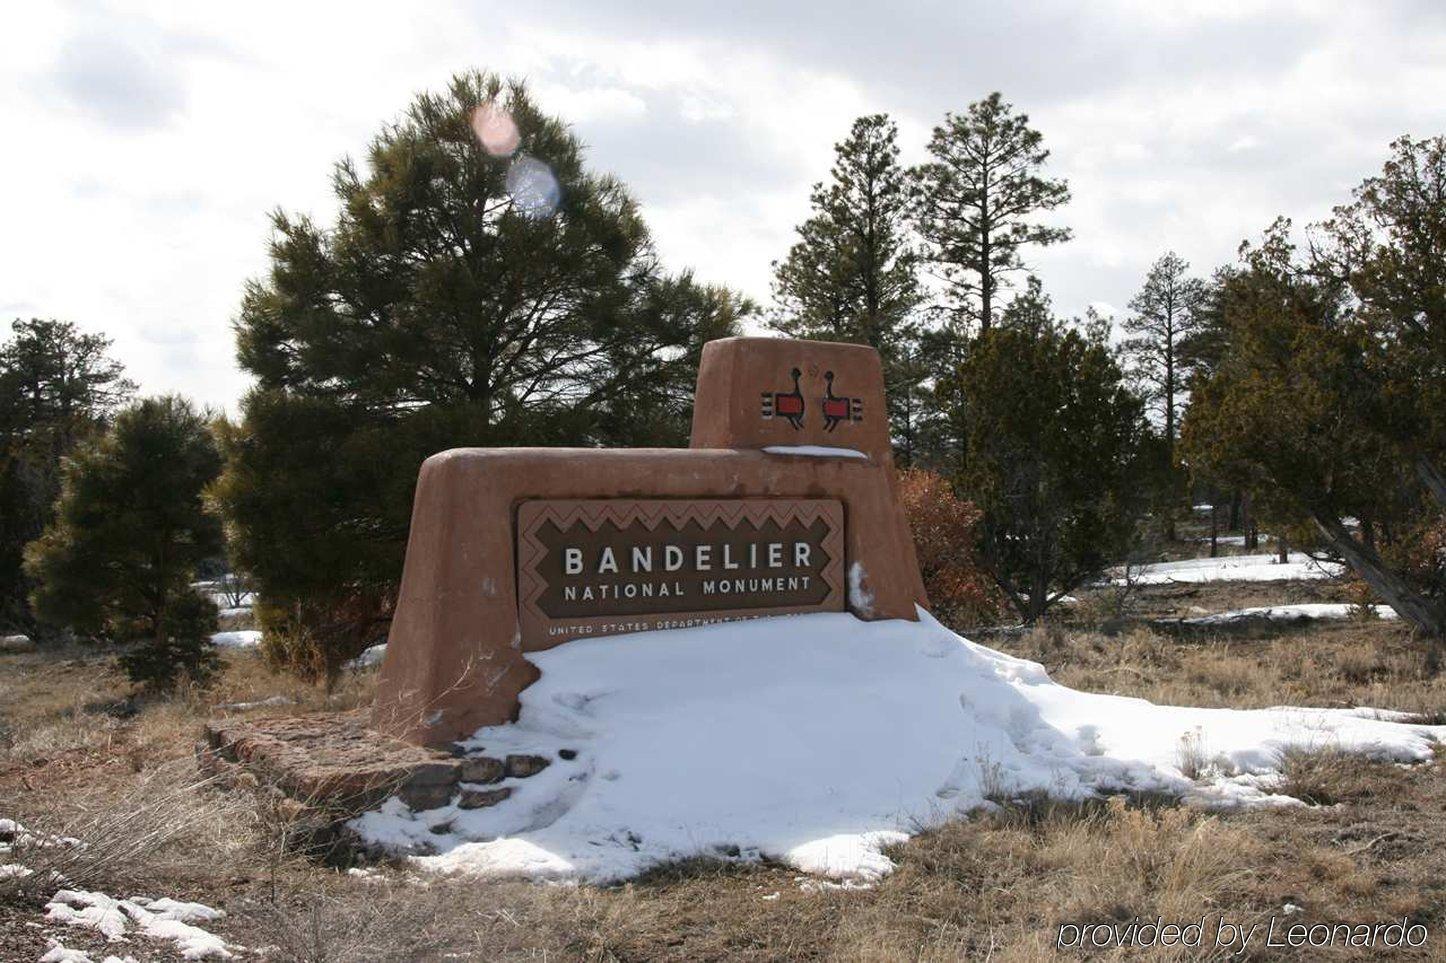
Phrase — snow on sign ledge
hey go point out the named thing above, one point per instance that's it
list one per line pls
(855, 735)
(815, 451)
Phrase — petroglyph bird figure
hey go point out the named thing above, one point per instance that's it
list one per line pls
(836, 409)
(788, 405)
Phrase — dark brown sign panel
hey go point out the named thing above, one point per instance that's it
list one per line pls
(605, 566)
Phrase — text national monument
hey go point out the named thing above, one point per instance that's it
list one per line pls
(784, 503)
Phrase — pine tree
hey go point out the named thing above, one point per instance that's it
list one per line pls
(977, 203)
(480, 287)
(1050, 444)
(851, 274)
(129, 530)
(57, 387)
(1162, 316)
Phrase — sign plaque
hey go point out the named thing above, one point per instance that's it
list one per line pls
(611, 565)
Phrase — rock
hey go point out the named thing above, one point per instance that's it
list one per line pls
(482, 798)
(426, 797)
(482, 769)
(567, 754)
(522, 765)
(335, 760)
(16, 643)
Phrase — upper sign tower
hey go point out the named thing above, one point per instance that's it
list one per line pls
(773, 392)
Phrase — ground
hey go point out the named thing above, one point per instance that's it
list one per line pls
(78, 756)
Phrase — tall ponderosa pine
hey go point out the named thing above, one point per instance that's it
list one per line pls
(851, 274)
(977, 204)
(130, 529)
(57, 387)
(465, 296)
(1162, 316)
(1051, 440)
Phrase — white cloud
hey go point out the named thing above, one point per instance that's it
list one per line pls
(154, 138)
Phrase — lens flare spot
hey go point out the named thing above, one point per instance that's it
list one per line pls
(533, 186)
(495, 129)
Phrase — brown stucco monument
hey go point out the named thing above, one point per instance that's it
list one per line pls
(784, 503)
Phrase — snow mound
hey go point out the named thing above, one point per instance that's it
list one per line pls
(1233, 568)
(821, 740)
(1287, 613)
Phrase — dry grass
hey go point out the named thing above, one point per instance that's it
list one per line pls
(76, 702)
(80, 755)
(121, 830)
(1373, 663)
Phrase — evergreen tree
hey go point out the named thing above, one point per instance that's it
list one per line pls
(977, 202)
(480, 287)
(1389, 246)
(1163, 315)
(1050, 452)
(129, 530)
(1303, 408)
(57, 387)
(851, 274)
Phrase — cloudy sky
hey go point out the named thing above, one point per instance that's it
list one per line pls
(146, 142)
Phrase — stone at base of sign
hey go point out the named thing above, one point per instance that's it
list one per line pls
(322, 770)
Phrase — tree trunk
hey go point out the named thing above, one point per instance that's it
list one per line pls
(1427, 615)
(1214, 528)
(1282, 549)
(1234, 523)
(1247, 511)
(1433, 479)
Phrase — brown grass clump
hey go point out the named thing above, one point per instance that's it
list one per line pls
(107, 835)
(1328, 776)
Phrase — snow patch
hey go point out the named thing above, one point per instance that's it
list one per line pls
(14, 835)
(165, 919)
(1287, 613)
(369, 657)
(60, 953)
(268, 702)
(861, 600)
(244, 639)
(820, 740)
(1231, 568)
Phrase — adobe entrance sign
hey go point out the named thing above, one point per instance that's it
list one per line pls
(784, 503)
(604, 566)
